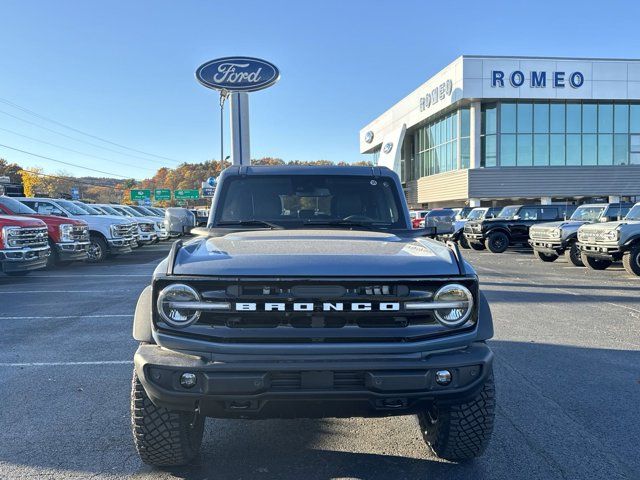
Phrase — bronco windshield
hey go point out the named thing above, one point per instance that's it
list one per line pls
(477, 214)
(292, 201)
(508, 212)
(634, 213)
(588, 214)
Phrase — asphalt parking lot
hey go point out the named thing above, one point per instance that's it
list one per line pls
(567, 366)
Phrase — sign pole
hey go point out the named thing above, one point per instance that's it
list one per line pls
(223, 96)
(240, 144)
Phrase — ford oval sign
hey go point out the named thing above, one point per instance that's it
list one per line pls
(238, 74)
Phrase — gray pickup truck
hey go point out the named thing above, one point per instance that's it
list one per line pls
(309, 294)
(550, 240)
(601, 244)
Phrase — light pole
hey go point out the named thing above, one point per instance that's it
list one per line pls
(223, 96)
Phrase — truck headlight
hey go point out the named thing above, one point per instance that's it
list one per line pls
(65, 232)
(459, 302)
(113, 228)
(7, 234)
(173, 305)
(610, 235)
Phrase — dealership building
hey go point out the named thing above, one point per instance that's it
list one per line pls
(491, 130)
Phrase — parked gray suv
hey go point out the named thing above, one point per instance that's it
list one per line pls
(309, 294)
(601, 244)
(553, 239)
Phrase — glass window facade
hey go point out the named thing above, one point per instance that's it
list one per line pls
(441, 146)
(562, 133)
(528, 133)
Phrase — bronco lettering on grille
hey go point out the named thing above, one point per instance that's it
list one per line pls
(310, 307)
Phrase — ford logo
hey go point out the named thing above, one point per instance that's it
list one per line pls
(387, 147)
(237, 74)
(368, 137)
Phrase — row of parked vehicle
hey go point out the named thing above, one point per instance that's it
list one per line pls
(37, 233)
(593, 235)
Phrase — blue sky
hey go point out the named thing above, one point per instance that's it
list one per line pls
(123, 70)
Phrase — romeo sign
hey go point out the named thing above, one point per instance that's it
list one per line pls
(237, 74)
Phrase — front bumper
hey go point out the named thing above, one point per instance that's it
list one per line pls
(550, 246)
(119, 246)
(72, 251)
(263, 386)
(474, 237)
(609, 251)
(26, 259)
(147, 238)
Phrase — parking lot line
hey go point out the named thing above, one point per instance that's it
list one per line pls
(66, 364)
(68, 317)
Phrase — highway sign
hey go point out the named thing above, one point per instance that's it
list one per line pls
(207, 192)
(140, 194)
(186, 194)
(162, 194)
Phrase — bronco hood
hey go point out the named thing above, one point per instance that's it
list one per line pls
(606, 226)
(309, 253)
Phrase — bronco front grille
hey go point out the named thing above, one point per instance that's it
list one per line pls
(334, 311)
(542, 233)
(31, 237)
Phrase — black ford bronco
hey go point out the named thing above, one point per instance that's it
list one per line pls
(309, 294)
(511, 226)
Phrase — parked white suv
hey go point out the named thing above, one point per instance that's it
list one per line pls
(108, 235)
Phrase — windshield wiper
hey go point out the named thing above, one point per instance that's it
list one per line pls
(249, 223)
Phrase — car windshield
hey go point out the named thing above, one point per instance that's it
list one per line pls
(130, 211)
(89, 209)
(634, 213)
(476, 214)
(16, 207)
(72, 208)
(110, 210)
(508, 212)
(292, 201)
(121, 211)
(143, 211)
(587, 214)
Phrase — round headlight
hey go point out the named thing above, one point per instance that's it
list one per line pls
(173, 305)
(460, 305)
(556, 232)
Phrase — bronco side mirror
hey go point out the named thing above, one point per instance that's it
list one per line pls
(179, 220)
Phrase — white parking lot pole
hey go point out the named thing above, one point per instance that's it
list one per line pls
(240, 145)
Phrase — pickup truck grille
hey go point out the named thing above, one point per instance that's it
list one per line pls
(334, 311)
(32, 237)
(80, 233)
(126, 229)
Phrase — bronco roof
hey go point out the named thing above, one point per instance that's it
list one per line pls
(305, 170)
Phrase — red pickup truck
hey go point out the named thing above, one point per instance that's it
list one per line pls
(68, 237)
(23, 245)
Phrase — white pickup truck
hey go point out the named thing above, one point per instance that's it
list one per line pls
(108, 235)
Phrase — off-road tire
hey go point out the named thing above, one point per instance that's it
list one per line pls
(631, 260)
(161, 436)
(595, 263)
(573, 255)
(461, 432)
(546, 257)
(98, 249)
(463, 242)
(476, 246)
(497, 242)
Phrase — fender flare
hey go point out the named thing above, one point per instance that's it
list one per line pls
(142, 319)
(485, 318)
(498, 229)
(634, 238)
